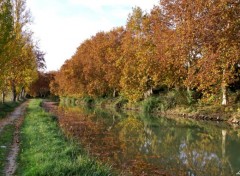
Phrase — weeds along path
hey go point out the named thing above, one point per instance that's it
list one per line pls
(16, 118)
(18, 112)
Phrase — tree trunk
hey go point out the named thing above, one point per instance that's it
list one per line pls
(148, 93)
(224, 90)
(224, 94)
(188, 68)
(189, 91)
(22, 93)
(18, 97)
(3, 97)
(114, 93)
(14, 93)
(189, 94)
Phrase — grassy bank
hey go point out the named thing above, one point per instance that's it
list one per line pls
(6, 138)
(179, 103)
(46, 151)
(7, 108)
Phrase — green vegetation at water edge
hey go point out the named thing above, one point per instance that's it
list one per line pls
(6, 138)
(177, 102)
(46, 151)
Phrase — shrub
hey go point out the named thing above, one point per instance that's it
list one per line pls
(88, 100)
(150, 104)
(120, 102)
(168, 100)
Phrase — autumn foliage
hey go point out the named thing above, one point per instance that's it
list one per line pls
(192, 45)
(41, 86)
(20, 57)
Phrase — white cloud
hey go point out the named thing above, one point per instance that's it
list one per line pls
(99, 4)
(61, 25)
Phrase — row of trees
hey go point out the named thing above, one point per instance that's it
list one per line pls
(187, 44)
(20, 56)
(41, 87)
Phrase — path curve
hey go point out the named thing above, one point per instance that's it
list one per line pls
(16, 117)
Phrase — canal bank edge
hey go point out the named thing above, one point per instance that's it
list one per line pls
(218, 113)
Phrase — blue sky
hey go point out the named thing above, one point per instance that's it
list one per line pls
(62, 25)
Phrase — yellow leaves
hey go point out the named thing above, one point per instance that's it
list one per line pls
(179, 44)
(133, 126)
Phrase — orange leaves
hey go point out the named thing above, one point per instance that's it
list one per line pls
(180, 43)
(40, 88)
(93, 70)
(220, 51)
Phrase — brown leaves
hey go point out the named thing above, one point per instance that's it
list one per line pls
(180, 43)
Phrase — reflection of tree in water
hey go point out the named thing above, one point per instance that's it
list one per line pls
(203, 156)
(140, 145)
(131, 136)
(137, 144)
(232, 152)
(199, 151)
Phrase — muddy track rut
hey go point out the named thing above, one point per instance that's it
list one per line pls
(15, 118)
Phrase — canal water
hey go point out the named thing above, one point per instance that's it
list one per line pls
(140, 144)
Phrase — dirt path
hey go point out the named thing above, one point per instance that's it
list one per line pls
(16, 117)
(13, 116)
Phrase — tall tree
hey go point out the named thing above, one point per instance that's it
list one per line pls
(220, 47)
(184, 45)
(138, 56)
(6, 35)
(22, 54)
(6, 28)
(168, 70)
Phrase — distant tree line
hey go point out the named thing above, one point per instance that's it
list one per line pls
(41, 87)
(193, 45)
(20, 56)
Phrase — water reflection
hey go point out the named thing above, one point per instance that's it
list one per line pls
(140, 145)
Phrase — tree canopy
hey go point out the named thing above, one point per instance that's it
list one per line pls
(20, 57)
(192, 45)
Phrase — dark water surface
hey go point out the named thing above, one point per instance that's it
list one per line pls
(138, 144)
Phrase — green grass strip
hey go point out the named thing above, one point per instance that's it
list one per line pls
(6, 138)
(46, 151)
